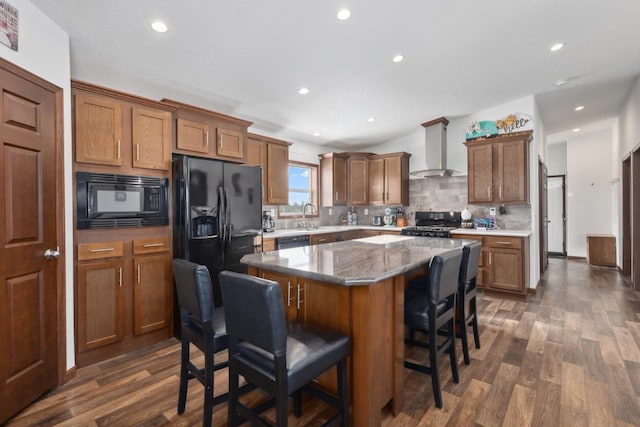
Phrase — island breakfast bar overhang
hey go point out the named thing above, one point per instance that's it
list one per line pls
(356, 287)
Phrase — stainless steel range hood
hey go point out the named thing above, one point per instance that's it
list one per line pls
(435, 155)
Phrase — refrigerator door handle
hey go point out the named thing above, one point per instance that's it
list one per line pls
(227, 219)
(221, 218)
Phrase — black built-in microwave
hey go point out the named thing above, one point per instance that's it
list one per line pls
(110, 201)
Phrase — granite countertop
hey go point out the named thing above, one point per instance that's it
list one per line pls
(512, 233)
(355, 262)
(325, 229)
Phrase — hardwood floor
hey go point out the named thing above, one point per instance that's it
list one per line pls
(568, 356)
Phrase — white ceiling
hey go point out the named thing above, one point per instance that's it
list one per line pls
(248, 58)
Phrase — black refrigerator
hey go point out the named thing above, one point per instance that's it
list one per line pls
(217, 214)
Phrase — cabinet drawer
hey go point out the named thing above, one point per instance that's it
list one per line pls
(89, 251)
(269, 245)
(317, 239)
(147, 246)
(504, 242)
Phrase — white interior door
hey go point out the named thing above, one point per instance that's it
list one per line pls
(555, 200)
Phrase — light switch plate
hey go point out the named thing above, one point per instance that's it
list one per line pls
(330, 211)
(366, 211)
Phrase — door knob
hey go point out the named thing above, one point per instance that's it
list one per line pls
(52, 253)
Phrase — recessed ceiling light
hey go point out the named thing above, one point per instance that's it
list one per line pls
(561, 82)
(316, 133)
(159, 26)
(303, 91)
(371, 119)
(344, 14)
(579, 108)
(576, 130)
(556, 47)
(398, 58)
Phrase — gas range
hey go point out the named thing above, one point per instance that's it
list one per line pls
(434, 224)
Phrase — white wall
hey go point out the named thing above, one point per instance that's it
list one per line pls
(414, 142)
(589, 191)
(43, 49)
(557, 158)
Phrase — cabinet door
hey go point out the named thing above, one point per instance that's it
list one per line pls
(151, 138)
(257, 156)
(98, 130)
(480, 170)
(358, 183)
(340, 181)
(193, 136)
(229, 143)
(393, 180)
(99, 304)
(289, 289)
(512, 171)
(152, 294)
(505, 270)
(376, 182)
(277, 174)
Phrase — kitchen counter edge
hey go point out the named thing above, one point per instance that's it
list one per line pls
(511, 233)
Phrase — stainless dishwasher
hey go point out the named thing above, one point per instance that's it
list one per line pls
(292, 241)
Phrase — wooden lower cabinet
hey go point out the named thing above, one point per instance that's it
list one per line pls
(124, 297)
(504, 263)
(99, 303)
(290, 291)
(268, 244)
(317, 239)
(152, 294)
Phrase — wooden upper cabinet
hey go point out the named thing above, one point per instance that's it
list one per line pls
(192, 136)
(273, 155)
(230, 143)
(376, 181)
(333, 177)
(98, 129)
(207, 133)
(513, 171)
(480, 173)
(389, 179)
(151, 138)
(498, 169)
(358, 180)
(113, 128)
(277, 174)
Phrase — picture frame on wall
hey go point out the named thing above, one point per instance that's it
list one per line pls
(8, 25)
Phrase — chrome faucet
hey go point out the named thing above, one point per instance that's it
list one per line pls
(304, 213)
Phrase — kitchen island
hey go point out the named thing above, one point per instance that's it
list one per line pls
(356, 287)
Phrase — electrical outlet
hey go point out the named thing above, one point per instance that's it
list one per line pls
(330, 211)
(366, 211)
(492, 211)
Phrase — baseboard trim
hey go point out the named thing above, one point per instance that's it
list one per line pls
(70, 374)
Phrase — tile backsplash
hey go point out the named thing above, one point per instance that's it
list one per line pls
(435, 193)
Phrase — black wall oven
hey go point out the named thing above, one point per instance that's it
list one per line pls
(110, 201)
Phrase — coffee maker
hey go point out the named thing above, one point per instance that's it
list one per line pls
(268, 224)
